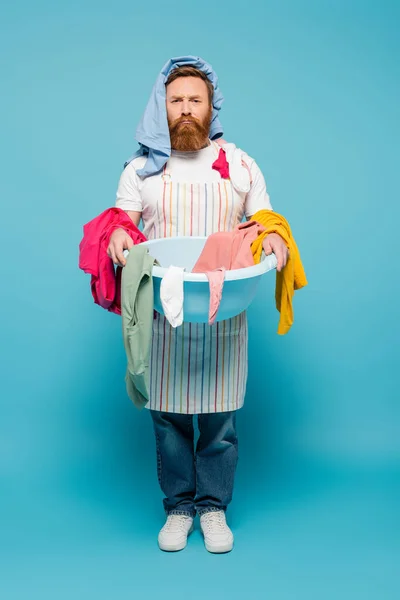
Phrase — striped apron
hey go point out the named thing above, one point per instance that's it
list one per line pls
(197, 368)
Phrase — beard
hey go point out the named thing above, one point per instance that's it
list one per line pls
(189, 137)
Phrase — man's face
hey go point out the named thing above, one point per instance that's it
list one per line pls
(189, 113)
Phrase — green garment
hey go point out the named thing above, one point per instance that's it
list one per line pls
(137, 305)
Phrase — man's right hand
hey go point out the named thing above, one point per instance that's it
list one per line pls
(119, 241)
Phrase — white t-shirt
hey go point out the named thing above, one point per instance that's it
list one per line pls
(137, 194)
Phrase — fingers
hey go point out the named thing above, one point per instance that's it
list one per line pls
(286, 256)
(282, 255)
(270, 247)
(119, 254)
(115, 252)
(279, 258)
(274, 243)
(125, 243)
(118, 244)
(111, 253)
(281, 252)
(267, 246)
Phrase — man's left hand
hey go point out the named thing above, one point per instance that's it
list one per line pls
(273, 243)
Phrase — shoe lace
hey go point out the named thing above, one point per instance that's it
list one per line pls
(176, 522)
(216, 520)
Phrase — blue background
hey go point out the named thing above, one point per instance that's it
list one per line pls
(312, 92)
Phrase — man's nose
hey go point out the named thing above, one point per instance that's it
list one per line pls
(186, 110)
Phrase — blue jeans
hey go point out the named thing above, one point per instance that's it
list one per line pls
(196, 480)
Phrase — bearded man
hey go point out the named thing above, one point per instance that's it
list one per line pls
(173, 186)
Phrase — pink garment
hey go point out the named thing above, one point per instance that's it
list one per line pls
(221, 165)
(93, 258)
(216, 282)
(226, 250)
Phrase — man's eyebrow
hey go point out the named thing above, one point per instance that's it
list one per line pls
(179, 97)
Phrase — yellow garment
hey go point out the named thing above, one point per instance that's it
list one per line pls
(292, 277)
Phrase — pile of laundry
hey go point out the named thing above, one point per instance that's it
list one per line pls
(129, 291)
(224, 250)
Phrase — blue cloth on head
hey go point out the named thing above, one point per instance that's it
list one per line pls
(152, 132)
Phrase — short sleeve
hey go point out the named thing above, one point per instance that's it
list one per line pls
(257, 198)
(128, 193)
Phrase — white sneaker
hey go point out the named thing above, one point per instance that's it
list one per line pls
(173, 536)
(217, 535)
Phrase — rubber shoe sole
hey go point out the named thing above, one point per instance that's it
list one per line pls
(220, 549)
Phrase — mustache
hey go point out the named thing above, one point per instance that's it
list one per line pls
(185, 120)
